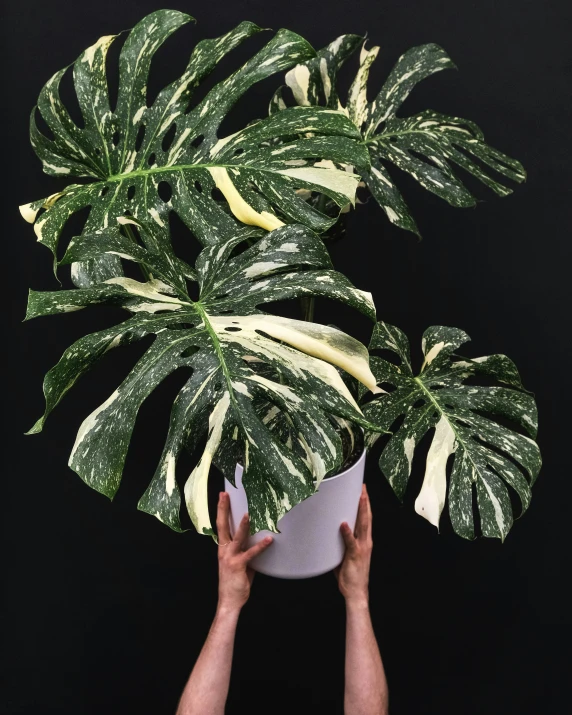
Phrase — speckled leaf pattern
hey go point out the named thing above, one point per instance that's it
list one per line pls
(224, 341)
(427, 146)
(486, 455)
(314, 81)
(130, 151)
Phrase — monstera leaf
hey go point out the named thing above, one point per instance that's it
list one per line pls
(150, 160)
(226, 342)
(426, 146)
(485, 454)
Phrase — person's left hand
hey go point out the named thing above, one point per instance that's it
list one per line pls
(234, 574)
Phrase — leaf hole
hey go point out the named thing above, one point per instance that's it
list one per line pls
(139, 138)
(151, 159)
(183, 241)
(189, 352)
(198, 187)
(197, 141)
(168, 62)
(74, 226)
(217, 194)
(104, 191)
(43, 125)
(168, 138)
(362, 194)
(396, 424)
(68, 96)
(387, 355)
(115, 138)
(130, 192)
(165, 191)
(193, 289)
(231, 329)
(112, 68)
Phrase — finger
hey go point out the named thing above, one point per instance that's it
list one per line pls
(348, 537)
(258, 548)
(362, 520)
(222, 518)
(369, 514)
(242, 531)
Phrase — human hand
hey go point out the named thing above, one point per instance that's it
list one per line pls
(353, 573)
(234, 574)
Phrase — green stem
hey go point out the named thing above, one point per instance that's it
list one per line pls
(321, 205)
(442, 412)
(307, 303)
(217, 348)
(129, 232)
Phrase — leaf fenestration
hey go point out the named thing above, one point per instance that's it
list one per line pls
(485, 453)
(258, 180)
(427, 145)
(238, 355)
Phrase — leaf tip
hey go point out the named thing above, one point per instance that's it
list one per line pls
(37, 427)
(28, 213)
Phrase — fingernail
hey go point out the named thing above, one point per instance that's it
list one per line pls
(268, 539)
(245, 517)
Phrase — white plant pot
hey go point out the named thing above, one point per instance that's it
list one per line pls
(309, 542)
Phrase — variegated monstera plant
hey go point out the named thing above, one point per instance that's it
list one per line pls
(289, 399)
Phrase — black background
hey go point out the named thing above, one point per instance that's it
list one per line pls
(106, 608)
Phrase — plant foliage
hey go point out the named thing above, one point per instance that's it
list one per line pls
(427, 145)
(130, 151)
(223, 338)
(486, 455)
(280, 396)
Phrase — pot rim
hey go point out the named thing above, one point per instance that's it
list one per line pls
(341, 474)
(334, 476)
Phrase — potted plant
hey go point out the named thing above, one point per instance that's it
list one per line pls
(291, 402)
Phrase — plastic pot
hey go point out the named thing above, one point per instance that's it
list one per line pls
(309, 542)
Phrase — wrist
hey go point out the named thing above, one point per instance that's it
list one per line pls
(358, 602)
(228, 609)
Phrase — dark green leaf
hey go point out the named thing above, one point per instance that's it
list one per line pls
(259, 183)
(485, 454)
(426, 145)
(224, 339)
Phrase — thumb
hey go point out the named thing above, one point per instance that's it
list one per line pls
(348, 537)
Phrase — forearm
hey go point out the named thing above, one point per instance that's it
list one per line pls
(207, 688)
(366, 690)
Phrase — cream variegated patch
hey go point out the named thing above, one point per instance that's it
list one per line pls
(431, 499)
(240, 208)
(320, 341)
(196, 492)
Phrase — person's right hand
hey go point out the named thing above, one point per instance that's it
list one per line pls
(353, 572)
(235, 574)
